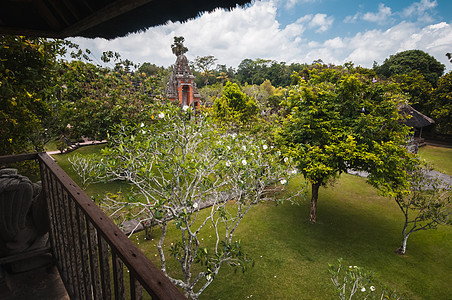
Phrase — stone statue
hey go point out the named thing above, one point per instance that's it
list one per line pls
(23, 216)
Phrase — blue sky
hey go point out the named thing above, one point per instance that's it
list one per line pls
(335, 31)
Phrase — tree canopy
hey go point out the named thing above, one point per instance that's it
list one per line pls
(27, 79)
(412, 60)
(339, 120)
(234, 107)
(178, 47)
(441, 103)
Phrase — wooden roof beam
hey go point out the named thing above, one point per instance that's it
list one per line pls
(109, 12)
(56, 6)
(72, 9)
(48, 16)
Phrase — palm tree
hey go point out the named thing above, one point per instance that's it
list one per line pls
(178, 46)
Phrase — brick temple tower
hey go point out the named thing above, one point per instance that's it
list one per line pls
(181, 88)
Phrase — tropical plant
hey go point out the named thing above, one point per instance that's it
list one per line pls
(339, 120)
(28, 71)
(178, 165)
(178, 47)
(425, 206)
(235, 108)
(410, 60)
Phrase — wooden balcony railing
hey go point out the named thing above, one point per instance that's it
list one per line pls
(92, 254)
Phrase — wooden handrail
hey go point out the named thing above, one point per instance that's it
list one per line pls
(88, 246)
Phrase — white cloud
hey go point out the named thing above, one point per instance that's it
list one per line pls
(228, 35)
(381, 17)
(352, 19)
(254, 32)
(375, 45)
(422, 10)
(322, 22)
(292, 3)
(231, 36)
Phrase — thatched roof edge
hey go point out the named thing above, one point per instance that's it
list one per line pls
(413, 117)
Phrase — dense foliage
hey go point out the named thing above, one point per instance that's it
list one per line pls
(235, 108)
(27, 92)
(441, 103)
(178, 165)
(338, 120)
(94, 98)
(407, 61)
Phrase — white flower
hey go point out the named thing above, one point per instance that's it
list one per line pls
(372, 288)
(265, 147)
(195, 205)
(283, 181)
(355, 267)
(208, 277)
(234, 135)
(228, 163)
(244, 148)
(244, 162)
(227, 147)
(161, 115)
(143, 131)
(286, 159)
(294, 171)
(350, 267)
(363, 289)
(142, 125)
(278, 153)
(185, 107)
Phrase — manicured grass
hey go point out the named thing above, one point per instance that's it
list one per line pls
(439, 157)
(291, 255)
(93, 189)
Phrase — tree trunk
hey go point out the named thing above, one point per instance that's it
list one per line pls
(402, 249)
(315, 196)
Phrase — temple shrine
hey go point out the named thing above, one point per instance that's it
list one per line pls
(181, 88)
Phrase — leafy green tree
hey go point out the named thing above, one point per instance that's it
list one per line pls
(210, 93)
(95, 98)
(234, 107)
(204, 65)
(150, 69)
(27, 79)
(407, 61)
(179, 164)
(339, 120)
(441, 104)
(419, 89)
(178, 47)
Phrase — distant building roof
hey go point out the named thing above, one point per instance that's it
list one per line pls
(413, 117)
(98, 18)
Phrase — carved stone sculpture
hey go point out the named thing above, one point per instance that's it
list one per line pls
(23, 216)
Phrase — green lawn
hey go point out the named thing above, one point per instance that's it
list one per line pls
(354, 223)
(93, 189)
(439, 157)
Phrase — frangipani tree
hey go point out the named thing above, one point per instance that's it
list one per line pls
(179, 164)
(425, 206)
